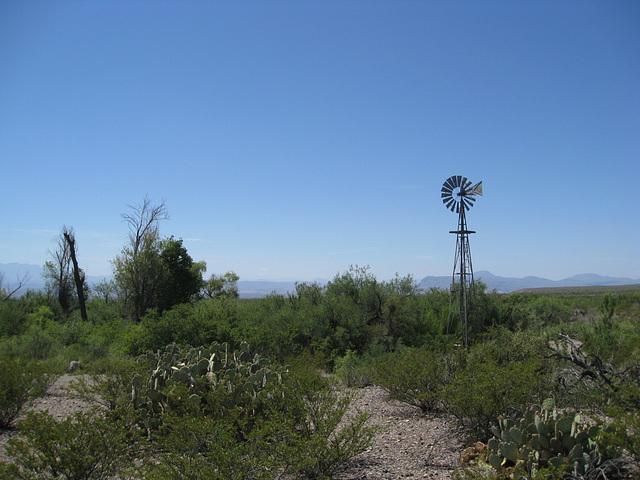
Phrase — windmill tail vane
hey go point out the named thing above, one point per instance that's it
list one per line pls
(458, 195)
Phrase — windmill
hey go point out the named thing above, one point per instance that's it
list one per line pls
(458, 195)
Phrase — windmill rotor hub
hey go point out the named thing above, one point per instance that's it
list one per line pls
(458, 193)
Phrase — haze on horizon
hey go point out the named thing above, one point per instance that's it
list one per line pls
(291, 140)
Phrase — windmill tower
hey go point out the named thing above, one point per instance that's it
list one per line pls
(458, 195)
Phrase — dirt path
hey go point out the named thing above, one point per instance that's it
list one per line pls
(410, 444)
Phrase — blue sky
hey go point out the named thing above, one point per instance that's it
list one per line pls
(291, 140)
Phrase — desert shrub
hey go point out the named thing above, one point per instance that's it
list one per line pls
(501, 345)
(196, 447)
(38, 339)
(515, 312)
(108, 383)
(484, 472)
(12, 318)
(272, 419)
(208, 321)
(104, 339)
(353, 370)
(20, 383)
(415, 376)
(308, 426)
(219, 318)
(87, 445)
(551, 310)
(482, 390)
(176, 325)
(622, 425)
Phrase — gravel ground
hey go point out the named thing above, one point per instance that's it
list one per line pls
(410, 444)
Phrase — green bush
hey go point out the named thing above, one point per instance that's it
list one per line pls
(20, 383)
(87, 445)
(622, 425)
(196, 447)
(12, 318)
(482, 390)
(108, 383)
(415, 376)
(551, 310)
(353, 370)
(309, 428)
(234, 415)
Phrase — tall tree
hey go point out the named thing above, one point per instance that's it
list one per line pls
(78, 274)
(181, 278)
(138, 265)
(57, 273)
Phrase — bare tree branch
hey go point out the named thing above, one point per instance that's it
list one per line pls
(142, 220)
(21, 282)
(135, 268)
(591, 365)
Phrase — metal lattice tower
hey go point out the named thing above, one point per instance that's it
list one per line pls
(458, 195)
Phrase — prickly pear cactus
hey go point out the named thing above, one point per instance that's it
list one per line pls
(199, 370)
(544, 437)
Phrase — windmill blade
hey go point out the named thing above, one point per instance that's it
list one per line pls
(458, 180)
(449, 183)
(465, 183)
(450, 204)
(446, 190)
(445, 194)
(477, 189)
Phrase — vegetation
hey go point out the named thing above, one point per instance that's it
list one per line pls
(20, 383)
(196, 383)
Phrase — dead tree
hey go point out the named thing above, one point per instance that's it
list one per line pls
(78, 275)
(590, 365)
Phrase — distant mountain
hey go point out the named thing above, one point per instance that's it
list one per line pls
(510, 284)
(261, 288)
(14, 272)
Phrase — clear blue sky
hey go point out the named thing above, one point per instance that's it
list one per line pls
(292, 139)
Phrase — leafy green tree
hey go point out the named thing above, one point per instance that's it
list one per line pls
(152, 272)
(138, 266)
(222, 286)
(181, 277)
(107, 291)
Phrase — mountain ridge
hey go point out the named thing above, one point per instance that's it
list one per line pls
(511, 284)
(261, 288)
